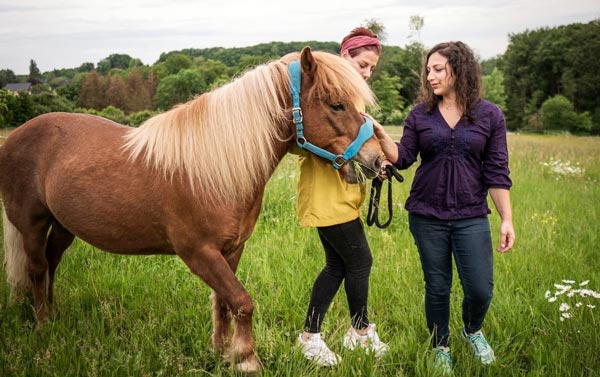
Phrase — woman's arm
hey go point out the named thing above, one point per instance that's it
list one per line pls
(389, 147)
(501, 199)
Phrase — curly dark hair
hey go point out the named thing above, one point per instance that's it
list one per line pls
(358, 31)
(467, 78)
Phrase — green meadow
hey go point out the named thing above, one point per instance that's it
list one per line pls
(149, 316)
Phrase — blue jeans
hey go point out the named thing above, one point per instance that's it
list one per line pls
(469, 241)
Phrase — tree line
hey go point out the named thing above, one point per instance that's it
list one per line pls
(543, 81)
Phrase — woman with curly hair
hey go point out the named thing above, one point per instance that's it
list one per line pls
(461, 139)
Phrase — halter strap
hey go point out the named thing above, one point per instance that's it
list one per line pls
(365, 132)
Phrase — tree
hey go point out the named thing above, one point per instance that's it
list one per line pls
(542, 63)
(387, 89)
(113, 61)
(405, 64)
(488, 65)
(5, 98)
(7, 76)
(35, 76)
(179, 88)
(493, 85)
(415, 24)
(376, 27)
(176, 63)
(138, 96)
(116, 93)
(91, 94)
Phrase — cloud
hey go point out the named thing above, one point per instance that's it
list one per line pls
(66, 33)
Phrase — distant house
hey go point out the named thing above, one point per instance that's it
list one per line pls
(16, 88)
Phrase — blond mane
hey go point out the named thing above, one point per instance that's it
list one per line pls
(225, 141)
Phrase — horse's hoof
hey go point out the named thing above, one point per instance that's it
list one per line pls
(249, 366)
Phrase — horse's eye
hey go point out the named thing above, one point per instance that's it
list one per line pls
(337, 107)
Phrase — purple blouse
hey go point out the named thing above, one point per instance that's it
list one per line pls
(458, 165)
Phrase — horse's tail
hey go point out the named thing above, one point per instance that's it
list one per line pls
(15, 259)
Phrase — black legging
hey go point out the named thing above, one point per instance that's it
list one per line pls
(348, 258)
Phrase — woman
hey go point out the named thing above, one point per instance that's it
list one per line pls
(461, 139)
(327, 202)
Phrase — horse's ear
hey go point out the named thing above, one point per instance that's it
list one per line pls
(307, 62)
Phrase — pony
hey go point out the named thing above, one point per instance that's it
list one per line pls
(189, 181)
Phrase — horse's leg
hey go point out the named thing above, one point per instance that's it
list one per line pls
(59, 240)
(221, 318)
(34, 243)
(221, 312)
(210, 265)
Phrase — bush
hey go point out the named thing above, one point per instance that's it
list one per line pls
(114, 114)
(140, 117)
(557, 114)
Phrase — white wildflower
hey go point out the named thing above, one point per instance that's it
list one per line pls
(547, 294)
(584, 283)
(591, 306)
(566, 315)
(564, 307)
(552, 299)
(568, 281)
(578, 304)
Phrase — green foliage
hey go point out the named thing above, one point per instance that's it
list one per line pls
(7, 76)
(179, 88)
(35, 76)
(231, 57)
(377, 27)
(114, 114)
(493, 85)
(135, 119)
(542, 63)
(176, 63)
(404, 64)
(488, 65)
(387, 89)
(557, 113)
(121, 61)
(4, 101)
(48, 102)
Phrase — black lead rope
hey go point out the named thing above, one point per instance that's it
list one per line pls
(376, 185)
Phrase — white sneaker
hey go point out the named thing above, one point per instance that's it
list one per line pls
(315, 349)
(370, 341)
(481, 348)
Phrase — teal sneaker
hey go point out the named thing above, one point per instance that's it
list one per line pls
(481, 348)
(442, 360)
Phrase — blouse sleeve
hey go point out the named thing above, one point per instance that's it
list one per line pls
(495, 162)
(408, 147)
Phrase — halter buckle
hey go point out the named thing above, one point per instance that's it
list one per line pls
(297, 115)
(339, 160)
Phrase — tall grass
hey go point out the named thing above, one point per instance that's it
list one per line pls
(149, 316)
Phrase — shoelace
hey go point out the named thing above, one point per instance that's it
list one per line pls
(479, 342)
(444, 355)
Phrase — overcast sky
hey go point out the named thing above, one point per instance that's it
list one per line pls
(66, 33)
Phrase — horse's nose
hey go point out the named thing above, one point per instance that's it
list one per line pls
(377, 164)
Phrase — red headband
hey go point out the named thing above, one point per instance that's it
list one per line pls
(360, 41)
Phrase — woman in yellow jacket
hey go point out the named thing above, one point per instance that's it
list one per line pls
(327, 202)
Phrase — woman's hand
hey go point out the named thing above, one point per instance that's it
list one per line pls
(507, 237)
(389, 147)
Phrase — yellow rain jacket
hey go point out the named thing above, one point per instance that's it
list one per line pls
(324, 198)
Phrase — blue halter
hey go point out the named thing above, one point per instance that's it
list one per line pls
(364, 134)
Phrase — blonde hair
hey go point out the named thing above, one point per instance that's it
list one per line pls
(224, 141)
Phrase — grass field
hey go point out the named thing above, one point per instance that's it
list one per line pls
(149, 316)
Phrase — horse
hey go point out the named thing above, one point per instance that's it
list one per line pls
(188, 181)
